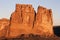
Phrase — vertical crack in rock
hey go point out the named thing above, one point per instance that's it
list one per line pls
(34, 19)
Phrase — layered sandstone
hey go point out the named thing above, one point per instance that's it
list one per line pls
(24, 20)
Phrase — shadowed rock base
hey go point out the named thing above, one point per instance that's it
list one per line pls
(31, 37)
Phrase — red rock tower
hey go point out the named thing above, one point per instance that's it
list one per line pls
(43, 24)
(22, 20)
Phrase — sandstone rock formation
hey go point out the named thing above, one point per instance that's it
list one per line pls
(24, 20)
(43, 25)
(4, 24)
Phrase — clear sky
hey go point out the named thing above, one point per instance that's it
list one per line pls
(8, 6)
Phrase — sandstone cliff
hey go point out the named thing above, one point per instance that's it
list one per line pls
(24, 20)
(43, 25)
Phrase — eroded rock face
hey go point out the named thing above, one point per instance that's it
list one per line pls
(24, 20)
(43, 24)
(4, 24)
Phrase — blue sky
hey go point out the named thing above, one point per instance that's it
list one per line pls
(8, 6)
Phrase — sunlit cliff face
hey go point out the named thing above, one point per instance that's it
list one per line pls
(44, 24)
(24, 20)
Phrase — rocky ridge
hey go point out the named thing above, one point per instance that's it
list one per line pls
(24, 20)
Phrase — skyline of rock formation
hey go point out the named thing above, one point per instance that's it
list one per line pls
(25, 20)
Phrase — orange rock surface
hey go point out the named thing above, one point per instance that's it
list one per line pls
(4, 25)
(24, 20)
(43, 25)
